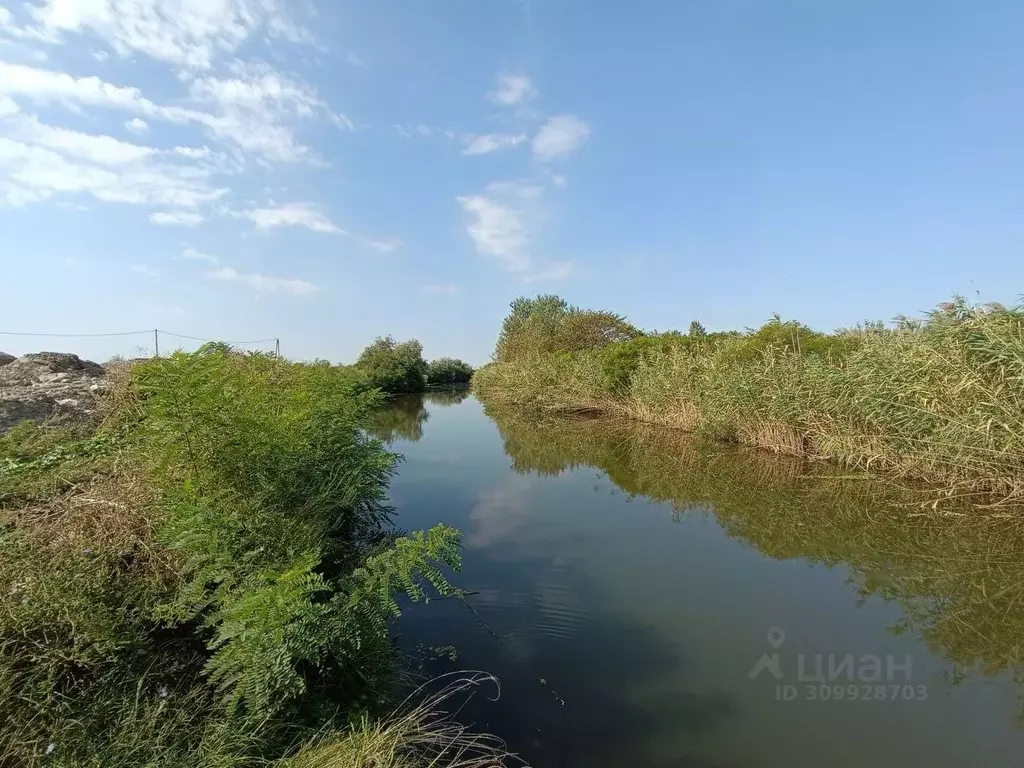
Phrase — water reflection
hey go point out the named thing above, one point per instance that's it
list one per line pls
(402, 419)
(958, 577)
(445, 397)
(405, 415)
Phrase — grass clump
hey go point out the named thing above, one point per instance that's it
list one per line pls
(420, 736)
(941, 400)
(210, 576)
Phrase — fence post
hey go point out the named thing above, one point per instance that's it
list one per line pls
(156, 341)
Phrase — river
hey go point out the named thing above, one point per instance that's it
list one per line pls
(649, 600)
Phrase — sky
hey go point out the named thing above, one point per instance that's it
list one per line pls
(327, 172)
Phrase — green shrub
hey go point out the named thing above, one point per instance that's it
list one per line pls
(548, 324)
(392, 367)
(226, 568)
(448, 371)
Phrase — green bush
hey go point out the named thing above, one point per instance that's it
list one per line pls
(392, 367)
(448, 371)
(221, 581)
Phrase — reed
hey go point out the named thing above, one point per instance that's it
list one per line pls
(941, 401)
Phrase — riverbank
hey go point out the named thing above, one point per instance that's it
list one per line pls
(204, 573)
(941, 401)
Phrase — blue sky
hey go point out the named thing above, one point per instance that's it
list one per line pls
(327, 172)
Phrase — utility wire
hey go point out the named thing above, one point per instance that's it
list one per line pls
(196, 338)
(131, 333)
(76, 335)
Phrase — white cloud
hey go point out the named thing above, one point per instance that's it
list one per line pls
(561, 135)
(501, 222)
(137, 125)
(185, 33)
(441, 288)
(196, 153)
(498, 229)
(257, 107)
(31, 172)
(512, 90)
(103, 150)
(8, 106)
(292, 215)
(44, 85)
(490, 142)
(255, 110)
(263, 283)
(354, 60)
(191, 254)
(177, 218)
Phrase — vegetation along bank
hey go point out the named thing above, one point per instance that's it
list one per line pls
(204, 573)
(939, 399)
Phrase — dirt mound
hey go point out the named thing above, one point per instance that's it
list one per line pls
(48, 386)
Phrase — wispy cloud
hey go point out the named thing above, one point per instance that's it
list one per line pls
(137, 126)
(498, 229)
(177, 218)
(354, 60)
(190, 35)
(263, 283)
(501, 222)
(254, 109)
(512, 90)
(491, 142)
(38, 161)
(259, 283)
(560, 135)
(293, 215)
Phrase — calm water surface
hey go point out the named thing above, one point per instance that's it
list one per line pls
(627, 580)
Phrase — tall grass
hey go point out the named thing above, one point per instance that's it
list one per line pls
(943, 402)
(211, 576)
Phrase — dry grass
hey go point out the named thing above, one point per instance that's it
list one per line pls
(415, 736)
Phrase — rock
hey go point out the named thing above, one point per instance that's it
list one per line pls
(5, 358)
(49, 386)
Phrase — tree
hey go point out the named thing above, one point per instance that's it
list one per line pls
(697, 329)
(393, 367)
(549, 324)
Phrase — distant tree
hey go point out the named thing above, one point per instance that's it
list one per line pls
(394, 367)
(448, 371)
(549, 324)
(697, 329)
(213, 347)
